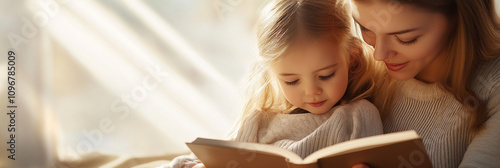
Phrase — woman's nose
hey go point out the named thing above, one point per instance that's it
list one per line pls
(383, 50)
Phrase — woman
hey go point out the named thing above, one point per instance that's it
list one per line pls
(443, 74)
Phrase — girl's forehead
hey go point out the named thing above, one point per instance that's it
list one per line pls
(311, 53)
(303, 41)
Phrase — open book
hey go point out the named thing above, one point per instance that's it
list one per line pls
(401, 149)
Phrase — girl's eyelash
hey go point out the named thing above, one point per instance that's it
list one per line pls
(320, 77)
(406, 42)
(327, 77)
(292, 82)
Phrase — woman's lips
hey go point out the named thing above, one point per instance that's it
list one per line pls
(395, 67)
(317, 104)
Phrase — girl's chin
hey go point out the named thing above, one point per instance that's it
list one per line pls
(317, 111)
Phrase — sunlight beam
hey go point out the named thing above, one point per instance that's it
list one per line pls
(171, 37)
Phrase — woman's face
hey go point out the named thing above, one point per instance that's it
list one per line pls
(410, 40)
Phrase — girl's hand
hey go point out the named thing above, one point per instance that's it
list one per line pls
(360, 165)
(184, 161)
(199, 165)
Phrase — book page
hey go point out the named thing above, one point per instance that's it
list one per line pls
(362, 144)
(263, 148)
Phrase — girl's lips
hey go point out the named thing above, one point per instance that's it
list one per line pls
(396, 67)
(317, 104)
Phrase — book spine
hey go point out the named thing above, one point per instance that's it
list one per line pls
(310, 165)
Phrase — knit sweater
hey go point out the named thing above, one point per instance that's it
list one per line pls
(305, 133)
(442, 121)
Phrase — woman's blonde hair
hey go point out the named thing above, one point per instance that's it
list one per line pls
(475, 39)
(279, 24)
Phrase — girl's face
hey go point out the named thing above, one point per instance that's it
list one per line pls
(410, 40)
(313, 75)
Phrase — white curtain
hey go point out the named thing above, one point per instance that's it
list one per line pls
(136, 77)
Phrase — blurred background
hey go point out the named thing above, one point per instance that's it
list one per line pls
(133, 78)
(136, 77)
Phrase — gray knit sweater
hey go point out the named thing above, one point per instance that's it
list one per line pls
(442, 121)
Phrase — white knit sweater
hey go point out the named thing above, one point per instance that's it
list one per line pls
(305, 133)
(442, 121)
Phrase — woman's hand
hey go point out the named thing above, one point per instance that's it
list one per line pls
(360, 165)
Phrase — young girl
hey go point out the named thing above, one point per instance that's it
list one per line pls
(308, 87)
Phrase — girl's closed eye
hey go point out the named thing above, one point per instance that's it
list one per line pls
(292, 82)
(327, 77)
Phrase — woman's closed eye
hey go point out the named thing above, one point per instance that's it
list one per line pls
(406, 42)
(327, 77)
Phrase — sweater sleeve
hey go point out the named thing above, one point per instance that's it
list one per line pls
(249, 128)
(484, 150)
(366, 120)
(355, 120)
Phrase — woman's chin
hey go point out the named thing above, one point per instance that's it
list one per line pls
(401, 76)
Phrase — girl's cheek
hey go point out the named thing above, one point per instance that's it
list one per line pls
(291, 93)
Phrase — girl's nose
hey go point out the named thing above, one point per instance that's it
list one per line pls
(313, 89)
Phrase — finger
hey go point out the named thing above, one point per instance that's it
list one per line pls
(201, 165)
(360, 165)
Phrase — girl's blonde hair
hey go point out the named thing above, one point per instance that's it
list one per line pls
(475, 39)
(279, 24)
